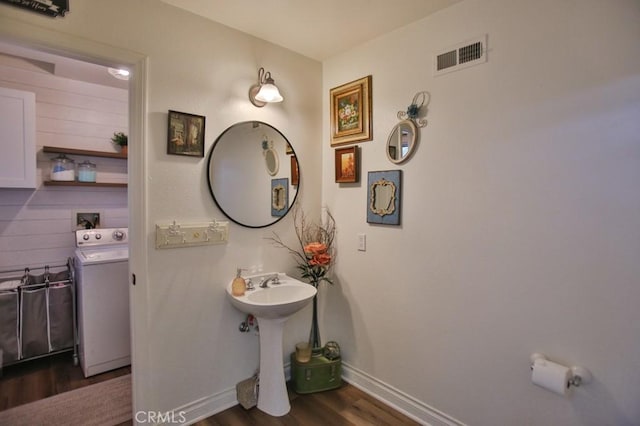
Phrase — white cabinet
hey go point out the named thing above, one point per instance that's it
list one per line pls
(17, 139)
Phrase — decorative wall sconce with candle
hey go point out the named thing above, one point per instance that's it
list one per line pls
(265, 91)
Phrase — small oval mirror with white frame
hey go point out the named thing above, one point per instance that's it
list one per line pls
(271, 160)
(403, 139)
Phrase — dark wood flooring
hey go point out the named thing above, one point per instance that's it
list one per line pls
(38, 379)
(340, 407)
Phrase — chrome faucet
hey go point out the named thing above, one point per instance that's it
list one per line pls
(249, 284)
(264, 281)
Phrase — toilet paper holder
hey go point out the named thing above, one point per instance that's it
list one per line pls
(579, 375)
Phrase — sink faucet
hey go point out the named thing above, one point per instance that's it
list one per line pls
(264, 281)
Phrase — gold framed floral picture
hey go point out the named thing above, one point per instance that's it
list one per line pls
(351, 112)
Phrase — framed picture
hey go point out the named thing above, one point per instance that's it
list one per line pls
(347, 164)
(279, 197)
(185, 135)
(351, 112)
(52, 8)
(383, 197)
(295, 174)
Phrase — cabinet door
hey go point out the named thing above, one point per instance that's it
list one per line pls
(17, 139)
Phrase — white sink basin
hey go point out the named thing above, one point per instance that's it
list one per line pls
(276, 301)
(272, 306)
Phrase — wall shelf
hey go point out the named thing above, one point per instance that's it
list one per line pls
(88, 184)
(87, 152)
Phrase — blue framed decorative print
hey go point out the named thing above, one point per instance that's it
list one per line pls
(383, 197)
(279, 196)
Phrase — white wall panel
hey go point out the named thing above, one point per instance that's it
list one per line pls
(520, 215)
(36, 226)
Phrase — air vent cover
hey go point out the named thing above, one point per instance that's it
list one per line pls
(462, 55)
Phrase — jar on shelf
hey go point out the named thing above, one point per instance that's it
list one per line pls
(63, 169)
(86, 172)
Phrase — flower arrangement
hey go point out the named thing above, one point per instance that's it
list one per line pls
(315, 256)
(316, 252)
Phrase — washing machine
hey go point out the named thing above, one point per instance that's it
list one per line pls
(102, 271)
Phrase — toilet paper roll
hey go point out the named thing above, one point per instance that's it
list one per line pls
(551, 376)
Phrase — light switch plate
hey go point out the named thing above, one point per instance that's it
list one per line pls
(362, 242)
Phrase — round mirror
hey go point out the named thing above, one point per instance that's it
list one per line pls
(402, 141)
(248, 193)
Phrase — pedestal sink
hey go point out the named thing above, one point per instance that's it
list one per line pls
(272, 306)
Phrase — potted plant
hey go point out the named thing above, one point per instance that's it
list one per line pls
(122, 141)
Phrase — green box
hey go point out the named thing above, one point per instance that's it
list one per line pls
(317, 375)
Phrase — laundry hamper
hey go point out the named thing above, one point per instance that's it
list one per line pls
(9, 327)
(33, 321)
(37, 314)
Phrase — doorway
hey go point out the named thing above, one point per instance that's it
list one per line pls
(48, 41)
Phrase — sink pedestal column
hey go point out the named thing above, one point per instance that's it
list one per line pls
(272, 398)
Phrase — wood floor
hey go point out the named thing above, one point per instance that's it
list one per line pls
(340, 407)
(40, 378)
(34, 380)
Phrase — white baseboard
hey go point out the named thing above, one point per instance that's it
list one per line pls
(400, 401)
(406, 404)
(208, 406)
(211, 405)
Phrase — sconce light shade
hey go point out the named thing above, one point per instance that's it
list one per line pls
(265, 91)
(119, 73)
(269, 93)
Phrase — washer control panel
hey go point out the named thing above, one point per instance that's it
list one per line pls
(102, 237)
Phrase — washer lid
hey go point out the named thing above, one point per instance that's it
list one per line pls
(112, 254)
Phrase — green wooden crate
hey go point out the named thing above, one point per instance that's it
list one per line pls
(317, 375)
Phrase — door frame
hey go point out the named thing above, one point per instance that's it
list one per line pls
(64, 44)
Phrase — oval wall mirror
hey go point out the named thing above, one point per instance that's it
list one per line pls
(246, 191)
(271, 161)
(402, 141)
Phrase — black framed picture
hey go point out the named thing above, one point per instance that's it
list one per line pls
(185, 134)
(52, 8)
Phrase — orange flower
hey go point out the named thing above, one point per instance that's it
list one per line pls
(320, 259)
(315, 249)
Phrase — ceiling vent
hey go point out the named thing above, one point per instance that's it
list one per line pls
(463, 55)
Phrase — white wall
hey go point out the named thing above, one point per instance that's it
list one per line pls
(36, 227)
(520, 215)
(191, 353)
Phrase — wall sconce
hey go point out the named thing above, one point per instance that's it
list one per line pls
(265, 91)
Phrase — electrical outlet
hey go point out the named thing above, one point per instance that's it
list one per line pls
(362, 242)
